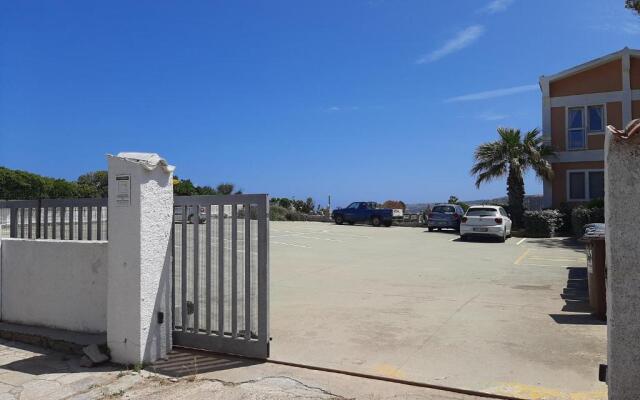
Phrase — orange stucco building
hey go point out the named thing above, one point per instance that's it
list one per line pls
(577, 105)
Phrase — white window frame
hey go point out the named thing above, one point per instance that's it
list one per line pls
(586, 183)
(585, 124)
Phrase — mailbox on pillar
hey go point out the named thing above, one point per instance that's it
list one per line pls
(139, 274)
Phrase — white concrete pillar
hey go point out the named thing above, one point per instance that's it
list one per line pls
(622, 216)
(139, 274)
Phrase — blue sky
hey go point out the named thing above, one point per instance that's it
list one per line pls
(364, 100)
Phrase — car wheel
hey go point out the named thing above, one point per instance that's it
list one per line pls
(430, 229)
(504, 237)
(375, 221)
(339, 219)
(439, 229)
(463, 238)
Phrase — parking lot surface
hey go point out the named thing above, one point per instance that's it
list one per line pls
(506, 318)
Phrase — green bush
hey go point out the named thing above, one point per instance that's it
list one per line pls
(277, 213)
(542, 223)
(580, 216)
(293, 216)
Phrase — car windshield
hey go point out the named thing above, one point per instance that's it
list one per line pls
(481, 212)
(353, 205)
(444, 209)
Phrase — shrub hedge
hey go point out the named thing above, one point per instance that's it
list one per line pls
(277, 213)
(543, 223)
(580, 216)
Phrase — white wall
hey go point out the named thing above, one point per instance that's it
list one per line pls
(54, 283)
(622, 195)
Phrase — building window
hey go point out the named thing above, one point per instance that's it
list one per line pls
(583, 120)
(596, 184)
(585, 185)
(576, 186)
(596, 118)
(576, 135)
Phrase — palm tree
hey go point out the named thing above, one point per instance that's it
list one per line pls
(512, 155)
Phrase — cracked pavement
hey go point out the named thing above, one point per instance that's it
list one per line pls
(29, 372)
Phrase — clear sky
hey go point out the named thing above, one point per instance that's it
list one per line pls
(364, 100)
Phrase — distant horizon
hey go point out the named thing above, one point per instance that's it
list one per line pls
(361, 100)
(316, 201)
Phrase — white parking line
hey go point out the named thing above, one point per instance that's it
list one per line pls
(521, 241)
(538, 265)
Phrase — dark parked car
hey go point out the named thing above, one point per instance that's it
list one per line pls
(363, 211)
(445, 216)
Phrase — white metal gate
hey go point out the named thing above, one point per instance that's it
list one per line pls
(220, 267)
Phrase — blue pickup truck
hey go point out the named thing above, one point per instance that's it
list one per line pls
(363, 211)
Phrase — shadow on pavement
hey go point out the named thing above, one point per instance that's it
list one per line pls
(187, 362)
(576, 298)
(54, 363)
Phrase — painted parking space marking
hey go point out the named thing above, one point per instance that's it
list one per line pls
(519, 260)
(521, 241)
(557, 259)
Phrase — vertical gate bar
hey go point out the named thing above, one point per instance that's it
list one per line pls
(71, 209)
(22, 222)
(46, 222)
(63, 211)
(29, 222)
(80, 221)
(99, 223)
(196, 268)
(221, 270)
(89, 222)
(208, 269)
(39, 220)
(234, 270)
(263, 272)
(183, 272)
(173, 266)
(54, 211)
(13, 226)
(247, 271)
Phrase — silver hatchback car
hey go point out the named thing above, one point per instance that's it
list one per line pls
(445, 216)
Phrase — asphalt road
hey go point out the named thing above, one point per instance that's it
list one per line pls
(406, 303)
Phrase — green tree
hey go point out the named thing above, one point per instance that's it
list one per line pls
(281, 202)
(94, 184)
(225, 188)
(512, 155)
(183, 187)
(455, 200)
(206, 190)
(309, 205)
(633, 5)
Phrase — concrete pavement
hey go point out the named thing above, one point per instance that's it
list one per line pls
(405, 303)
(31, 373)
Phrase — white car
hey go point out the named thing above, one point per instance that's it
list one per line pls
(485, 221)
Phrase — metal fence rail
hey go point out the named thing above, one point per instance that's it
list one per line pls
(66, 219)
(220, 266)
